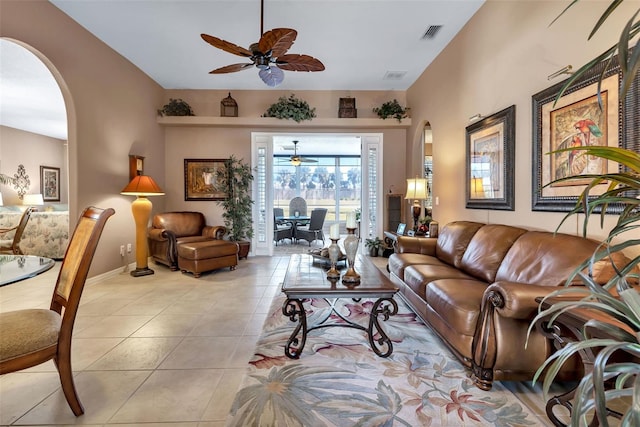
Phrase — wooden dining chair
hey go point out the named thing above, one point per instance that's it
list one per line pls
(33, 336)
(12, 246)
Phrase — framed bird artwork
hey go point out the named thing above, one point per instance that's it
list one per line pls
(590, 112)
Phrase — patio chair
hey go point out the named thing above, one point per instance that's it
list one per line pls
(298, 204)
(282, 230)
(313, 231)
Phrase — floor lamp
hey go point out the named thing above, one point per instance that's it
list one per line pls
(141, 186)
(416, 191)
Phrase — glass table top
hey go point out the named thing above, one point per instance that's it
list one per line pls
(14, 268)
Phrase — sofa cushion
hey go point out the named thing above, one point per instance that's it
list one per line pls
(416, 277)
(453, 239)
(398, 262)
(544, 258)
(457, 301)
(487, 248)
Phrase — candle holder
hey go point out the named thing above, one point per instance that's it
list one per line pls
(351, 248)
(334, 253)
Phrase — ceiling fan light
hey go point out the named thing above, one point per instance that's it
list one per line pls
(295, 161)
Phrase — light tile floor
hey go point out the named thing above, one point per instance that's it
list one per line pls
(165, 350)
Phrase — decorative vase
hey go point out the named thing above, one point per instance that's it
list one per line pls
(334, 253)
(351, 248)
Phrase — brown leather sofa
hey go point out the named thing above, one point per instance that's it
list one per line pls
(475, 285)
(170, 229)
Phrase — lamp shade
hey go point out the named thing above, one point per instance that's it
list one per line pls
(1, 202)
(142, 185)
(477, 188)
(33, 200)
(416, 189)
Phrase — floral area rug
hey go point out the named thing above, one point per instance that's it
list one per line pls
(339, 381)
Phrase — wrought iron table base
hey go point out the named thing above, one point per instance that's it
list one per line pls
(382, 346)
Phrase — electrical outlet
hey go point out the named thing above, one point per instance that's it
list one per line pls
(129, 247)
(437, 201)
(121, 250)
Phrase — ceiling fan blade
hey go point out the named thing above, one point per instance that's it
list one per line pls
(296, 62)
(231, 68)
(278, 40)
(272, 76)
(307, 160)
(226, 46)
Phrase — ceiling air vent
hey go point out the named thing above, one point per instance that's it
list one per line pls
(431, 32)
(394, 75)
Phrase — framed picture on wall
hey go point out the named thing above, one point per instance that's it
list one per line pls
(201, 180)
(580, 117)
(490, 161)
(50, 183)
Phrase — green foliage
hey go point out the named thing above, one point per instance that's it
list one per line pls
(236, 179)
(629, 59)
(6, 179)
(392, 109)
(610, 380)
(375, 243)
(291, 108)
(622, 187)
(176, 107)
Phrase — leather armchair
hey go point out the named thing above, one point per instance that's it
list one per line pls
(170, 229)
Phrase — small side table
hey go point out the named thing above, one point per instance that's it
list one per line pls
(567, 328)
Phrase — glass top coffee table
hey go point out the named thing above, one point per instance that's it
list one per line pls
(305, 279)
(14, 268)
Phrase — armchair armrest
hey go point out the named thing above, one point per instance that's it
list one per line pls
(158, 234)
(214, 231)
(417, 245)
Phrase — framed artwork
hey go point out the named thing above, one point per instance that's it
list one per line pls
(50, 183)
(401, 228)
(136, 166)
(490, 161)
(201, 180)
(577, 119)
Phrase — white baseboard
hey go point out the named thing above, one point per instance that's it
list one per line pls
(104, 276)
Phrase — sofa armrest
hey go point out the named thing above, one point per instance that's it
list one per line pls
(515, 300)
(417, 245)
(214, 231)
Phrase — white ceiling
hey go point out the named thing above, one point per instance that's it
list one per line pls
(359, 41)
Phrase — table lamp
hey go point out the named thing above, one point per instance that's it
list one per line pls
(416, 191)
(141, 186)
(32, 200)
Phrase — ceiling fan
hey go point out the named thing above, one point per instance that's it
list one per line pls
(268, 54)
(296, 160)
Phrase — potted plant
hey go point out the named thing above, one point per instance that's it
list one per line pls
(291, 108)
(237, 178)
(392, 109)
(622, 189)
(176, 107)
(373, 245)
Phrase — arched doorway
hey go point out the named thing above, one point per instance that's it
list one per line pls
(35, 112)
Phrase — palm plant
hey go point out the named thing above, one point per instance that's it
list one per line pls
(6, 179)
(621, 195)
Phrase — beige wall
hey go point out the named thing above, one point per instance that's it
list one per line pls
(220, 142)
(111, 106)
(502, 57)
(18, 147)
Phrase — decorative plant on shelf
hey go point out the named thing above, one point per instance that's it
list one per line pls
(176, 107)
(236, 179)
(392, 109)
(622, 189)
(373, 245)
(291, 108)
